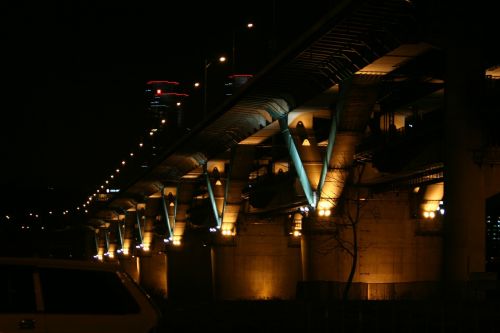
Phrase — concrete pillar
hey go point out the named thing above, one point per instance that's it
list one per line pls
(258, 264)
(131, 266)
(319, 260)
(305, 253)
(129, 234)
(318, 250)
(190, 269)
(153, 276)
(464, 239)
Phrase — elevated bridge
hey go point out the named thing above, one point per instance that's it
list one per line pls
(359, 154)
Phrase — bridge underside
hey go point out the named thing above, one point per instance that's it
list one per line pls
(334, 151)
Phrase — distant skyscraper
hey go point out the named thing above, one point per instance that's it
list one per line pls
(165, 102)
(234, 82)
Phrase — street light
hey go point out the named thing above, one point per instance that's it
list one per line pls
(249, 26)
(205, 81)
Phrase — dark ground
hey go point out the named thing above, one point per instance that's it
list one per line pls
(355, 316)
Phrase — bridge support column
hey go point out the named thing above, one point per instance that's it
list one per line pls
(128, 259)
(259, 264)
(153, 276)
(131, 266)
(318, 257)
(153, 262)
(464, 239)
(190, 269)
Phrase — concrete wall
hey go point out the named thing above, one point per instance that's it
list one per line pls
(261, 263)
(395, 259)
(391, 249)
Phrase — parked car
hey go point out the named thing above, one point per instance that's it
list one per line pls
(61, 296)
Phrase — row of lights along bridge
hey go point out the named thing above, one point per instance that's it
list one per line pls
(165, 102)
(165, 99)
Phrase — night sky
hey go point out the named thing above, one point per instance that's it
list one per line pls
(74, 74)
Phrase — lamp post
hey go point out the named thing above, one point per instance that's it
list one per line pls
(205, 81)
(249, 25)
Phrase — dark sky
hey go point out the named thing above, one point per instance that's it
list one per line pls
(74, 74)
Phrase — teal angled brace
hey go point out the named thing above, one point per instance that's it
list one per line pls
(299, 167)
(228, 175)
(106, 239)
(212, 197)
(96, 239)
(165, 215)
(120, 234)
(175, 207)
(138, 220)
(328, 154)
